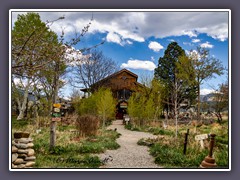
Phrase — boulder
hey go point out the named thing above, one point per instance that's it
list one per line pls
(14, 157)
(30, 152)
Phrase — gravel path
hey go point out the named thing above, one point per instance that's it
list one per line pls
(129, 155)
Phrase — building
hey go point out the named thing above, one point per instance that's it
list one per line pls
(122, 84)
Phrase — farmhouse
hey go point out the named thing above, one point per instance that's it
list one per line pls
(122, 84)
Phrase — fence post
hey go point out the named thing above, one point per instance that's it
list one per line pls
(185, 142)
(209, 161)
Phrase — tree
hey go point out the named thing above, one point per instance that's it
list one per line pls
(206, 67)
(221, 100)
(92, 69)
(106, 105)
(176, 73)
(33, 46)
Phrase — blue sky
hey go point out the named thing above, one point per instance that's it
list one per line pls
(136, 40)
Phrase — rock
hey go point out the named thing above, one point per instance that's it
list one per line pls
(30, 145)
(21, 166)
(23, 156)
(18, 161)
(30, 152)
(14, 149)
(22, 146)
(24, 140)
(30, 163)
(14, 166)
(31, 158)
(24, 162)
(22, 151)
(19, 135)
(14, 157)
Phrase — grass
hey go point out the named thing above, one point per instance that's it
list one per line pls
(168, 151)
(70, 150)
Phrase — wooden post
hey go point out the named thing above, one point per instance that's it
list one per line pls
(209, 161)
(52, 134)
(185, 142)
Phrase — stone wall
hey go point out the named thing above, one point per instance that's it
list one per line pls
(22, 151)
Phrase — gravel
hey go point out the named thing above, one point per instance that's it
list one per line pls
(129, 155)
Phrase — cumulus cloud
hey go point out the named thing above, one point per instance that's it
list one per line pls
(196, 40)
(139, 64)
(138, 26)
(206, 91)
(206, 45)
(113, 37)
(155, 46)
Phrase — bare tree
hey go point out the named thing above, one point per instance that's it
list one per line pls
(91, 69)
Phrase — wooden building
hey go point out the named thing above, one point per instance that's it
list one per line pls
(122, 84)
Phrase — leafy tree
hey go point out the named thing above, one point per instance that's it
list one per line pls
(33, 46)
(175, 71)
(221, 100)
(106, 104)
(206, 67)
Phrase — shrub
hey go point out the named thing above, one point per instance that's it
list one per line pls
(87, 125)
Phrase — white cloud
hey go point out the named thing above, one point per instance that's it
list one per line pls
(155, 46)
(113, 37)
(152, 58)
(139, 64)
(190, 33)
(196, 40)
(206, 45)
(138, 26)
(206, 91)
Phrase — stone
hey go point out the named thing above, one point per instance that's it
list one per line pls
(14, 166)
(21, 166)
(23, 156)
(18, 161)
(22, 151)
(30, 164)
(14, 156)
(14, 149)
(30, 158)
(21, 146)
(24, 140)
(19, 135)
(30, 152)
(30, 145)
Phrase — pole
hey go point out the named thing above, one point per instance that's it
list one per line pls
(185, 142)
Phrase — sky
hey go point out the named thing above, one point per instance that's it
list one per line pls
(135, 40)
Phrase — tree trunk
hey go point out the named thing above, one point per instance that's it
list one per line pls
(175, 108)
(54, 100)
(24, 103)
(198, 104)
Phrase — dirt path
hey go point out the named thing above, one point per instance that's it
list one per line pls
(129, 155)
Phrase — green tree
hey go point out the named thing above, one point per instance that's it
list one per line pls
(106, 104)
(33, 46)
(176, 73)
(206, 67)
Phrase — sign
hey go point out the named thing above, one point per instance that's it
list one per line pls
(57, 119)
(200, 138)
(56, 109)
(56, 114)
(57, 105)
(123, 105)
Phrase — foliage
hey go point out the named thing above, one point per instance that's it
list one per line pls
(106, 104)
(206, 67)
(145, 105)
(87, 125)
(101, 103)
